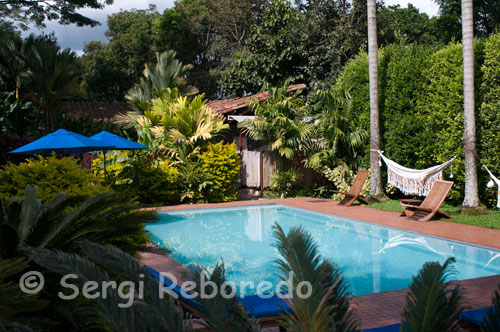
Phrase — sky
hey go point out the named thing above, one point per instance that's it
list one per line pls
(74, 37)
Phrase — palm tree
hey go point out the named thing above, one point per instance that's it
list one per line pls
(167, 72)
(281, 120)
(340, 140)
(12, 60)
(52, 75)
(327, 308)
(375, 179)
(432, 304)
(471, 199)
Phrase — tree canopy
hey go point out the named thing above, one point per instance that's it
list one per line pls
(24, 12)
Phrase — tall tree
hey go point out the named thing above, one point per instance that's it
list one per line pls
(375, 180)
(485, 12)
(53, 75)
(471, 198)
(25, 12)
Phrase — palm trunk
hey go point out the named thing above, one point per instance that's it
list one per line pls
(375, 182)
(471, 199)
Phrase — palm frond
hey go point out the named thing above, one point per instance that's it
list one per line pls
(432, 304)
(327, 308)
(491, 323)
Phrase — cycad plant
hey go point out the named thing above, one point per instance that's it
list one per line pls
(56, 224)
(432, 304)
(127, 309)
(222, 313)
(491, 323)
(283, 121)
(327, 307)
(18, 310)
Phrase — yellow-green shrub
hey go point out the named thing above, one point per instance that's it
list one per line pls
(51, 175)
(222, 164)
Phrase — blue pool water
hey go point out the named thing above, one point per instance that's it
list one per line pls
(373, 258)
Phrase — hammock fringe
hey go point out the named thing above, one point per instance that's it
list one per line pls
(413, 181)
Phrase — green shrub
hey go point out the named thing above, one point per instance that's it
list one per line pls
(441, 106)
(401, 127)
(489, 117)
(151, 184)
(283, 182)
(222, 164)
(51, 175)
(343, 178)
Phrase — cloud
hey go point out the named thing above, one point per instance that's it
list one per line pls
(426, 6)
(74, 37)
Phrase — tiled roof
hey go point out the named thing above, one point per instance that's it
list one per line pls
(96, 110)
(240, 105)
(106, 111)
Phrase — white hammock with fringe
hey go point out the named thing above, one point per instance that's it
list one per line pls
(413, 181)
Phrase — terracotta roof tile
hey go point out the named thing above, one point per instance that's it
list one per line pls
(224, 106)
(107, 110)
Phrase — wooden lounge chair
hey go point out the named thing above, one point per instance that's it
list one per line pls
(424, 211)
(353, 194)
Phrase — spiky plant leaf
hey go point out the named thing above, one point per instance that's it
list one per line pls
(432, 304)
(491, 323)
(220, 313)
(148, 312)
(327, 307)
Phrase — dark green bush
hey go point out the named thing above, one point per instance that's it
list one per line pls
(51, 175)
(401, 129)
(151, 184)
(421, 106)
(222, 164)
(440, 104)
(489, 117)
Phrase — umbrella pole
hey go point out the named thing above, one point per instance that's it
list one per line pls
(104, 154)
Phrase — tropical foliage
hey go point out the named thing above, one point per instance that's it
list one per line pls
(432, 304)
(283, 182)
(282, 120)
(51, 175)
(328, 305)
(221, 163)
(166, 73)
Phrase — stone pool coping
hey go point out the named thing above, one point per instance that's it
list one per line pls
(378, 309)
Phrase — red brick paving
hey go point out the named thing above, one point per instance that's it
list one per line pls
(378, 309)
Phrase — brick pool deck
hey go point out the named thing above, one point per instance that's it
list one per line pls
(378, 309)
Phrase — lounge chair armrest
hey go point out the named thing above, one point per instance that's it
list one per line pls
(340, 192)
(415, 207)
(410, 201)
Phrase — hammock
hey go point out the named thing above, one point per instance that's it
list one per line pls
(491, 184)
(413, 181)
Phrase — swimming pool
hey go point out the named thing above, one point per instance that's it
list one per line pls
(372, 258)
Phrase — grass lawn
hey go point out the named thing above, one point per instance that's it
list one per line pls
(490, 220)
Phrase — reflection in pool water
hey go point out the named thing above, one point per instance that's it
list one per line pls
(373, 258)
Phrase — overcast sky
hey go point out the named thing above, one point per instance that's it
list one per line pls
(74, 37)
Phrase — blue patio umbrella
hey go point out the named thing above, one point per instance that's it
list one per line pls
(118, 143)
(62, 141)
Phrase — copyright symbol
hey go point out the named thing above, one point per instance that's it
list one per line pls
(31, 282)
